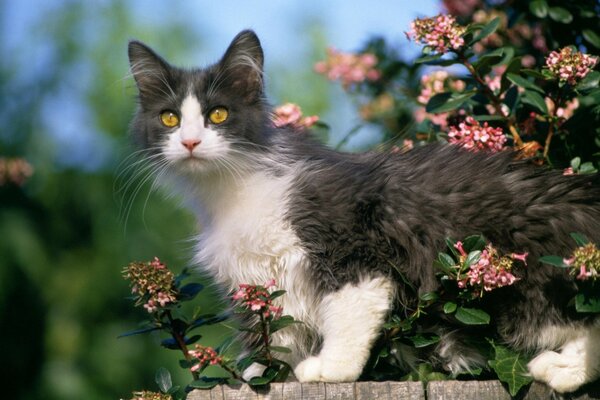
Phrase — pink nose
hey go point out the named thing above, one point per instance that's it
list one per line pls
(190, 144)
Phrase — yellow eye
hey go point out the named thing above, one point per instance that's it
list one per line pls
(169, 119)
(218, 115)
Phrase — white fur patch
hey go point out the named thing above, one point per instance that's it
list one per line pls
(351, 319)
(577, 363)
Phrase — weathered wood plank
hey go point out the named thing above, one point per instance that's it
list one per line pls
(437, 390)
(466, 390)
(340, 391)
(407, 390)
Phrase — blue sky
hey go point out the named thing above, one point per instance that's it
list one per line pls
(281, 26)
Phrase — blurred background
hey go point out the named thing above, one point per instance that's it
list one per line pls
(73, 216)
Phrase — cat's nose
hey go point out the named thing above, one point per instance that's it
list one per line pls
(190, 144)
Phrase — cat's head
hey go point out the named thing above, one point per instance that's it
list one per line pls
(201, 119)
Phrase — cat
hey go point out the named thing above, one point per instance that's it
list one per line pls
(342, 233)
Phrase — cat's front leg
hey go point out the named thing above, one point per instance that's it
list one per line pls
(351, 319)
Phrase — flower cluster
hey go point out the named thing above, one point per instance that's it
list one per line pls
(204, 356)
(147, 395)
(349, 68)
(474, 136)
(291, 114)
(441, 33)
(152, 283)
(489, 272)
(569, 65)
(257, 299)
(436, 82)
(585, 262)
(14, 170)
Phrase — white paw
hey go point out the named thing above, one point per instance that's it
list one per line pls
(561, 372)
(309, 370)
(315, 369)
(254, 370)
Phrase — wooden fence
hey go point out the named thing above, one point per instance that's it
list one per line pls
(438, 390)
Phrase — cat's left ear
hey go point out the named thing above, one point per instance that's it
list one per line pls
(243, 65)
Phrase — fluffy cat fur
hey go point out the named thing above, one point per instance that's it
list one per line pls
(334, 229)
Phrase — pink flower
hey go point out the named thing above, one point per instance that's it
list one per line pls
(568, 171)
(257, 299)
(459, 246)
(14, 170)
(348, 68)
(583, 274)
(291, 114)
(441, 33)
(569, 65)
(520, 257)
(204, 355)
(473, 136)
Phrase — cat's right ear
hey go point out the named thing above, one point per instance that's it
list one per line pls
(150, 71)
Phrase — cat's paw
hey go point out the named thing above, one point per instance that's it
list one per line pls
(254, 370)
(309, 370)
(561, 372)
(316, 369)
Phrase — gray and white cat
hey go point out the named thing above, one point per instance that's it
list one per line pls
(333, 229)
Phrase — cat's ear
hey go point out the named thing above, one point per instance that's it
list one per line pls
(243, 65)
(151, 72)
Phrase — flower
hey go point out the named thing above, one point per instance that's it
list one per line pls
(291, 114)
(257, 299)
(152, 284)
(349, 68)
(441, 33)
(489, 272)
(585, 262)
(204, 356)
(14, 170)
(473, 136)
(147, 395)
(569, 65)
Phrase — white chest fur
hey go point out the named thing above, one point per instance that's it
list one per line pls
(248, 239)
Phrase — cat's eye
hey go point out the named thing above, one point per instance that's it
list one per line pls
(218, 115)
(169, 119)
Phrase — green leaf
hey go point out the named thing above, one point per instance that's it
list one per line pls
(579, 238)
(591, 81)
(587, 168)
(592, 37)
(139, 331)
(276, 294)
(560, 14)
(282, 322)
(206, 383)
(429, 296)
(280, 349)
(539, 8)
(553, 260)
(472, 316)
(533, 73)
(163, 379)
(511, 368)
(446, 101)
(423, 340)
(472, 258)
(446, 260)
(189, 291)
(449, 307)
(575, 163)
(586, 303)
(428, 58)
(259, 381)
(474, 242)
(486, 31)
(535, 100)
(524, 83)
(450, 244)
